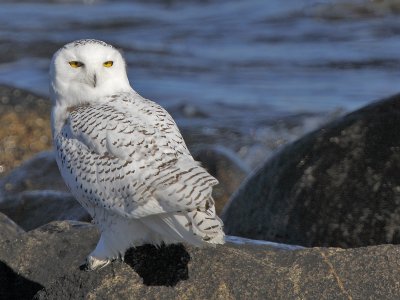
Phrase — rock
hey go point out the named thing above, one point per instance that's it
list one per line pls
(15, 286)
(38, 173)
(24, 126)
(42, 255)
(34, 194)
(224, 165)
(32, 209)
(187, 110)
(243, 241)
(8, 229)
(49, 257)
(337, 186)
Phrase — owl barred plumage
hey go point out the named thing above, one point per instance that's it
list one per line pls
(123, 157)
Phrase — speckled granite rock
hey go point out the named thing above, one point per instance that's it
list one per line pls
(337, 186)
(48, 258)
(42, 255)
(9, 230)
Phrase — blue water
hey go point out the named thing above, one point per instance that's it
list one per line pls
(283, 55)
(258, 73)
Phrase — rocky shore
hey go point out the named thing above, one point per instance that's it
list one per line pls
(44, 263)
(335, 187)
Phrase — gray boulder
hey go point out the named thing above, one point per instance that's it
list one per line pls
(40, 172)
(8, 229)
(32, 209)
(337, 186)
(47, 260)
(35, 194)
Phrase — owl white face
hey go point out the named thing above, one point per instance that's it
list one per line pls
(86, 70)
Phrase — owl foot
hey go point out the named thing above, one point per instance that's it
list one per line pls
(92, 263)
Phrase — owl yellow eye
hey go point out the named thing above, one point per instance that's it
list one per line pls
(108, 64)
(75, 64)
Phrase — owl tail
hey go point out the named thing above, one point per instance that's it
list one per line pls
(197, 227)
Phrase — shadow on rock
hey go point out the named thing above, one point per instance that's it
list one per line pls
(165, 265)
(14, 286)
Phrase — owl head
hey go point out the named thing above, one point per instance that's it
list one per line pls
(85, 71)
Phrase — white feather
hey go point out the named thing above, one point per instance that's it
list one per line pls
(124, 158)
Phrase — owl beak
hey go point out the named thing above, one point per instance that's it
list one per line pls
(94, 80)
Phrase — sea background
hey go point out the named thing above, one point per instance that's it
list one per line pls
(246, 76)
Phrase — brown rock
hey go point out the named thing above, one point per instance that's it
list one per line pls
(337, 186)
(24, 126)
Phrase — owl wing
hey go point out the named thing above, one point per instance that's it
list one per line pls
(128, 156)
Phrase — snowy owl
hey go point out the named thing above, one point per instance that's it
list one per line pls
(123, 157)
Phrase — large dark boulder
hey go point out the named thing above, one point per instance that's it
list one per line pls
(45, 261)
(337, 186)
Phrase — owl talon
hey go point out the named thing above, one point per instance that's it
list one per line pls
(92, 263)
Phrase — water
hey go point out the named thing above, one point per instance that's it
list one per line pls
(243, 63)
